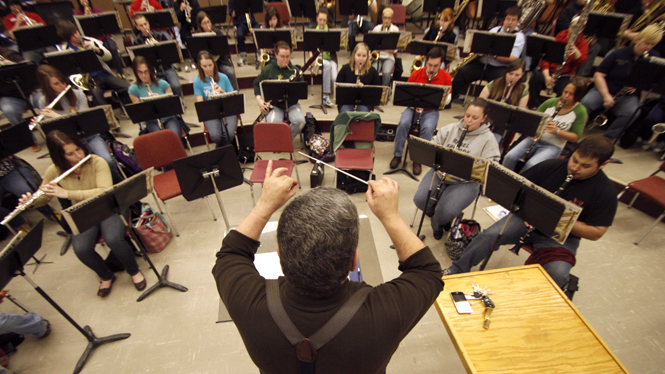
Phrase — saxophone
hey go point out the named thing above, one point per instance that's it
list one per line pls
(467, 60)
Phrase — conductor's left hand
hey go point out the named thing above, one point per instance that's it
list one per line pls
(277, 190)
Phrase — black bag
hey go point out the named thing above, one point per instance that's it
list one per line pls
(316, 176)
(246, 152)
(461, 233)
(311, 128)
(351, 185)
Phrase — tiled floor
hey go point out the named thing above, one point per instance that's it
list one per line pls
(174, 332)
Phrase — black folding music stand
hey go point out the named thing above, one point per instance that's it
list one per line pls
(492, 10)
(36, 37)
(603, 25)
(248, 6)
(215, 44)
(217, 14)
(19, 78)
(380, 41)
(492, 44)
(321, 40)
(159, 54)
(541, 47)
(277, 90)
(83, 61)
(207, 173)
(358, 95)
(435, 6)
(52, 12)
(424, 96)
(302, 8)
(12, 261)
(158, 19)
(82, 124)
(348, 7)
(99, 24)
(511, 118)
(166, 106)
(422, 47)
(114, 201)
(221, 107)
(423, 152)
(266, 39)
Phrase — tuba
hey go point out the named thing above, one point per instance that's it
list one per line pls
(528, 18)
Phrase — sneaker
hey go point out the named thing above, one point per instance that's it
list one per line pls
(36, 147)
(327, 101)
(446, 272)
(417, 168)
(394, 163)
(48, 329)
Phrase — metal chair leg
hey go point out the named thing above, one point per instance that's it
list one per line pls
(295, 166)
(633, 200)
(415, 214)
(251, 189)
(168, 214)
(660, 218)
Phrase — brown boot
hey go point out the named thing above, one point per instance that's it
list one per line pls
(417, 169)
(394, 163)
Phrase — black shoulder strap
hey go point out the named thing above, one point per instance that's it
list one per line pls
(325, 333)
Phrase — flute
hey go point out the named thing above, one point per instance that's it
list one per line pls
(50, 106)
(39, 193)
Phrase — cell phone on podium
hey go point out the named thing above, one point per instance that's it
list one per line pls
(461, 304)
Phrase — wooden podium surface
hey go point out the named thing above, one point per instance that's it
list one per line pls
(534, 328)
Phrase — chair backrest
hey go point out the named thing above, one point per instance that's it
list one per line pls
(272, 137)
(158, 149)
(283, 10)
(399, 16)
(361, 131)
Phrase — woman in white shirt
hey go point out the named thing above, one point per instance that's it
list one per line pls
(386, 61)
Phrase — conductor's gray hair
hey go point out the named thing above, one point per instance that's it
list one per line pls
(317, 236)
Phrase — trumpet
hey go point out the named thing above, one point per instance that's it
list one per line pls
(50, 106)
(188, 12)
(26, 19)
(146, 5)
(39, 193)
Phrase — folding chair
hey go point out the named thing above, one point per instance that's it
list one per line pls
(354, 158)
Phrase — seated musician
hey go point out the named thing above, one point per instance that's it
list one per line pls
(610, 78)
(224, 64)
(148, 85)
(329, 68)
(444, 33)
(509, 88)
(12, 106)
(386, 61)
(542, 78)
(242, 29)
(210, 81)
(144, 6)
(455, 194)
(52, 83)
(496, 66)
(182, 7)
(566, 126)
(590, 188)
(146, 36)
(86, 8)
(358, 71)
(18, 18)
(280, 68)
(104, 79)
(429, 118)
(363, 26)
(273, 21)
(83, 183)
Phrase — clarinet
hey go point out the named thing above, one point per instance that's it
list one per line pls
(435, 196)
(420, 114)
(504, 97)
(520, 164)
(516, 248)
(39, 193)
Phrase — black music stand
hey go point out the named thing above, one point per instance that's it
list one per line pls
(349, 7)
(603, 25)
(14, 257)
(248, 6)
(158, 19)
(321, 40)
(207, 173)
(19, 78)
(424, 96)
(217, 14)
(266, 39)
(492, 44)
(358, 95)
(162, 107)
(37, 37)
(425, 153)
(81, 124)
(215, 44)
(114, 201)
(159, 54)
(495, 9)
(84, 61)
(279, 90)
(221, 107)
(99, 24)
(541, 47)
(507, 118)
(422, 47)
(302, 8)
(54, 11)
(379, 41)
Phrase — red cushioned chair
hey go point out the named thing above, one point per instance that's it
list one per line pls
(357, 159)
(652, 188)
(399, 14)
(272, 137)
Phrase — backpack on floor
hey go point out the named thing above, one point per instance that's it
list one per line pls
(462, 232)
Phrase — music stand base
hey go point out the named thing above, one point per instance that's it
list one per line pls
(320, 106)
(162, 282)
(66, 244)
(94, 342)
(38, 261)
(404, 171)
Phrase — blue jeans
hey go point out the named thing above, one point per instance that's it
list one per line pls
(218, 136)
(28, 324)
(481, 245)
(329, 75)
(242, 31)
(454, 199)
(623, 110)
(172, 77)
(110, 82)
(172, 124)
(385, 66)
(349, 108)
(113, 232)
(367, 26)
(428, 123)
(16, 182)
(98, 146)
(296, 118)
(13, 109)
(541, 151)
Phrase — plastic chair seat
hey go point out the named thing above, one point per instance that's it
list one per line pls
(354, 159)
(259, 172)
(652, 188)
(166, 185)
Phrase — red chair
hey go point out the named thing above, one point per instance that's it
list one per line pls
(354, 158)
(284, 12)
(272, 137)
(159, 149)
(652, 188)
(399, 14)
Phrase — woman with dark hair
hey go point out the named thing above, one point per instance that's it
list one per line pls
(182, 9)
(358, 71)
(224, 64)
(566, 126)
(211, 82)
(455, 193)
(147, 85)
(273, 21)
(83, 183)
(86, 7)
(52, 83)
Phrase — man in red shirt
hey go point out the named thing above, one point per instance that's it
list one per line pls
(142, 6)
(542, 78)
(431, 74)
(17, 18)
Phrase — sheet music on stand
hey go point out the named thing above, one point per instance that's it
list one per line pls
(268, 38)
(423, 91)
(37, 36)
(97, 24)
(384, 92)
(422, 47)
(208, 41)
(160, 18)
(488, 41)
(91, 121)
(161, 53)
(543, 47)
(511, 118)
(606, 25)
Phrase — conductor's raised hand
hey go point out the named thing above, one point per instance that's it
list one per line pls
(382, 198)
(277, 189)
